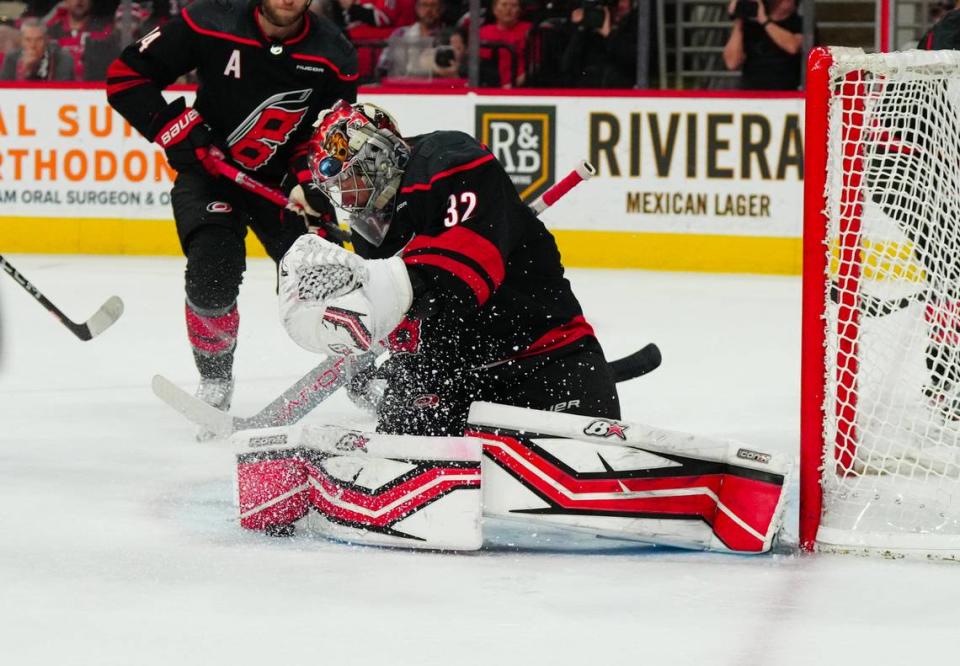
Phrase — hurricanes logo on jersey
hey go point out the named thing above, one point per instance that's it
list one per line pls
(268, 127)
(522, 139)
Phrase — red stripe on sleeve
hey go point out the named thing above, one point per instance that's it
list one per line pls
(468, 243)
(114, 88)
(460, 270)
(449, 172)
(558, 337)
(120, 69)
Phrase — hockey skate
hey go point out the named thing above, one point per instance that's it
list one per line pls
(216, 392)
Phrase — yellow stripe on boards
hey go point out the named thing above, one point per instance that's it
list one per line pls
(44, 235)
(583, 249)
(680, 252)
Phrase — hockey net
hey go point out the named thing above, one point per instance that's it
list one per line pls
(880, 426)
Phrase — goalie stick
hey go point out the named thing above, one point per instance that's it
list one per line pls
(320, 383)
(98, 322)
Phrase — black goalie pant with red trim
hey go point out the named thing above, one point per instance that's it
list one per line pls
(426, 397)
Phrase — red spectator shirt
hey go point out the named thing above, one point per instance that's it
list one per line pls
(515, 37)
(74, 41)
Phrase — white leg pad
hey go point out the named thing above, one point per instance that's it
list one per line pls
(628, 480)
(366, 488)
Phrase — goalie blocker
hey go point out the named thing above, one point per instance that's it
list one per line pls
(601, 476)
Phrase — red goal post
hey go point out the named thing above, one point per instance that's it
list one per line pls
(880, 377)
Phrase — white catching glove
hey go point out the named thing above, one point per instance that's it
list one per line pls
(331, 300)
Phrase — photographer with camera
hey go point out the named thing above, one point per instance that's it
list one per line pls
(421, 50)
(765, 43)
(602, 51)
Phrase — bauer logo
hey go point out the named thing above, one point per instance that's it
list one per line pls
(755, 456)
(522, 138)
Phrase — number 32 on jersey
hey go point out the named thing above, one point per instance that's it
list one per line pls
(466, 202)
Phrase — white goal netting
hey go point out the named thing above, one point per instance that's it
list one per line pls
(891, 478)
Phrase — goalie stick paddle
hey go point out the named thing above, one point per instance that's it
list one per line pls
(99, 321)
(636, 364)
(319, 384)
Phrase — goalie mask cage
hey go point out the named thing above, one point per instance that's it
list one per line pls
(880, 405)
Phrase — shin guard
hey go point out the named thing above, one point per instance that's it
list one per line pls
(213, 338)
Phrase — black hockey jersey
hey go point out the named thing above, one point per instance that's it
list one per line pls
(261, 97)
(489, 262)
(945, 33)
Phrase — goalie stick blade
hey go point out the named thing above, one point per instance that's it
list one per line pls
(196, 410)
(636, 364)
(102, 319)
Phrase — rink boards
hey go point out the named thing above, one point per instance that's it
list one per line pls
(687, 181)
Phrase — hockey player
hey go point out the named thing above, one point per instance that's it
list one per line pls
(266, 68)
(444, 245)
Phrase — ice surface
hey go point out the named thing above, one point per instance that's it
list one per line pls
(118, 545)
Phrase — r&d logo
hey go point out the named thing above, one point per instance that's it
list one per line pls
(522, 139)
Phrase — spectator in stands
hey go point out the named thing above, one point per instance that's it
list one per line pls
(99, 53)
(422, 49)
(39, 8)
(766, 43)
(38, 58)
(368, 23)
(73, 25)
(351, 14)
(939, 9)
(9, 38)
(507, 30)
(602, 51)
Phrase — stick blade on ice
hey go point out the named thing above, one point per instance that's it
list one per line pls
(192, 408)
(105, 317)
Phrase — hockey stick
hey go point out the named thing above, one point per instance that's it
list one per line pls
(100, 321)
(871, 306)
(320, 383)
(583, 171)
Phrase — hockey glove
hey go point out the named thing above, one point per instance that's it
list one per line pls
(186, 138)
(316, 212)
(331, 300)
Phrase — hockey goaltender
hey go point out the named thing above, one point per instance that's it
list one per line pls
(465, 284)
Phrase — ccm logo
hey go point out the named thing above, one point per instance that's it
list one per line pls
(269, 440)
(756, 456)
(219, 207)
(184, 122)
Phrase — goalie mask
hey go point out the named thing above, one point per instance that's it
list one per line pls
(357, 159)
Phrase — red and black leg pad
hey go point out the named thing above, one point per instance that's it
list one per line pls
(272, 488)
